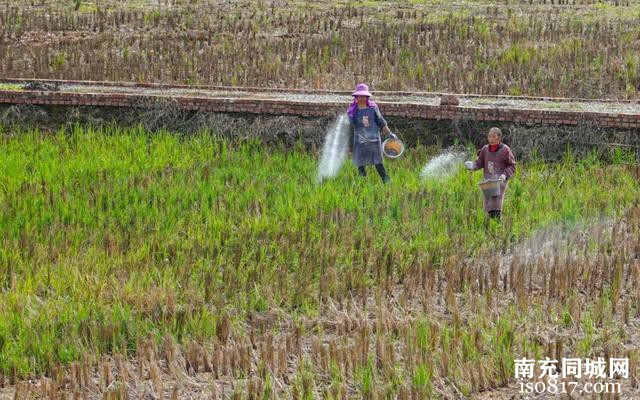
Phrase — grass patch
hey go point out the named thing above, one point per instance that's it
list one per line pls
(10, 86)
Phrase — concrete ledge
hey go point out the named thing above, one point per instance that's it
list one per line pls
(157, 85)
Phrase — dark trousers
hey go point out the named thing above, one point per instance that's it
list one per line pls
(381, 171)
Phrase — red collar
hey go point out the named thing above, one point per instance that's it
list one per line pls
(494, 147)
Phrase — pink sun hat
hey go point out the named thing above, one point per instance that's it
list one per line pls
(361, 90)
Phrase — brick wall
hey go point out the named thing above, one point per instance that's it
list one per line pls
(302, 108)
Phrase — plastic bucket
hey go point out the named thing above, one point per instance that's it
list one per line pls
(490, 187)
(392, 148)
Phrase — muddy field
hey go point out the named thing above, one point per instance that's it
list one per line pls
(579, 48)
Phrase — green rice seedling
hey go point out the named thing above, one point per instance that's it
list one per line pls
(421, 380)
(112, 236)
(367, 379)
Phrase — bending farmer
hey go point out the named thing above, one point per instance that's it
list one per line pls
(367, 122)
(498, 162)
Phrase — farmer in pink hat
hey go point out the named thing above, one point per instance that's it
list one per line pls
(498, 162)
(367, 122)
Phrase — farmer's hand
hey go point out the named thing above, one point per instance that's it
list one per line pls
(503, 177)
(393, 135)
(468, 165)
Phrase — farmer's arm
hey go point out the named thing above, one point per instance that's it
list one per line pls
(479, 162)
(352, 133)
(382, 122)
(510, 168)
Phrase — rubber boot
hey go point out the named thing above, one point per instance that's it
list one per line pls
(383, 173)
